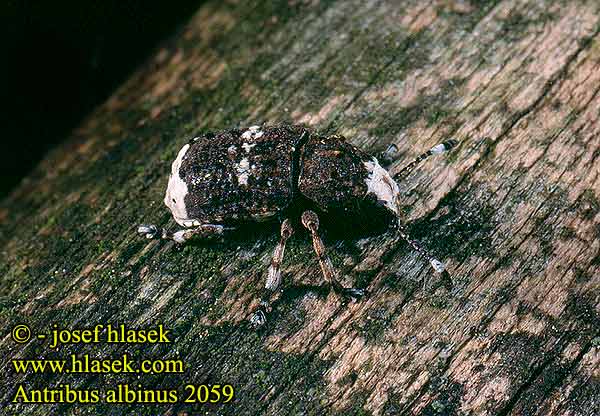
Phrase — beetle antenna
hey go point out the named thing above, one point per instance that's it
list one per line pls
(437, 265)
(435, 150)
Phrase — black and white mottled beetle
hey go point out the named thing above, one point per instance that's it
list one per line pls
(220, 181)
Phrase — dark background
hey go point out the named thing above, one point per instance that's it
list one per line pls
(61, 59)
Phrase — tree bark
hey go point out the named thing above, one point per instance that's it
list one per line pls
(514, 211)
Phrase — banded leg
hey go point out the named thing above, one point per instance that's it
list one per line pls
(181, 236)
(311, 221)
(435, 150)
(259, 317)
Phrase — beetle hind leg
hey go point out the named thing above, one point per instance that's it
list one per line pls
(310, 220)
(204, 230)
(259, 317)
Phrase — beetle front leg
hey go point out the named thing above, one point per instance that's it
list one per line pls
(311, 221)
(181, 236)
(259, 317)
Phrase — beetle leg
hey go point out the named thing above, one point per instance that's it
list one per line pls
(259, 317)
(181, 236)
(435, 150)
(311, 221)
(274, 274)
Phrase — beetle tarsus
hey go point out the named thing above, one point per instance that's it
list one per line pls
(258, 319)
(259, 316)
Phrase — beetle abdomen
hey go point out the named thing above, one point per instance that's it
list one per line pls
(237, 175)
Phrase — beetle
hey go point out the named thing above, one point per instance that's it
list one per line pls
(220, 181)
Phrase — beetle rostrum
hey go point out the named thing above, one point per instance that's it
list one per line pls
(220, 181)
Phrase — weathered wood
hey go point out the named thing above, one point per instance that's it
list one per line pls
(515, 212)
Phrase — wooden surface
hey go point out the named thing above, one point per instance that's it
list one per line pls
(514, 211)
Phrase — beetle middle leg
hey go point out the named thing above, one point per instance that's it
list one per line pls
(311, 221)
(259, 317)
(181, 236)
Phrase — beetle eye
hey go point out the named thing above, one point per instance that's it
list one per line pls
(174, 200)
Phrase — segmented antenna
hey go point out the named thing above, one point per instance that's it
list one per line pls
(435, 150)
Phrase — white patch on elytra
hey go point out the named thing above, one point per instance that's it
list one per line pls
(247, 146)
(177, 190)
(380, 183)
(243, 171)
(253, 133)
